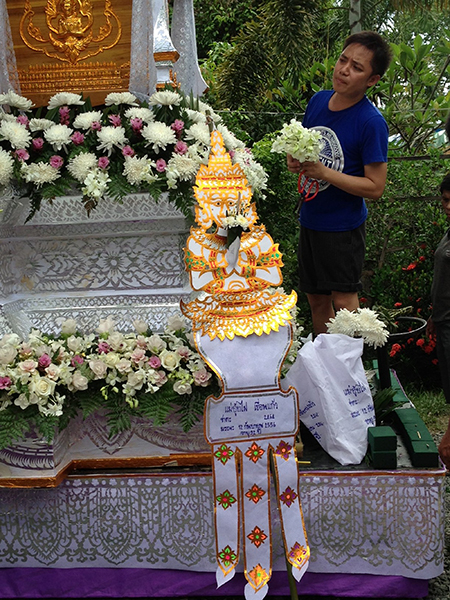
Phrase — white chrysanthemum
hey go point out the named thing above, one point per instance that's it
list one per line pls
(199, 132)
(7, 117)
(65, 99)
(6, 167)
(81, 165)
(85, 120)
(253, 171)
(207, 110)
(158, 135)
(195, 116)
(120, 98)
(16, 101)
(180, 168)
(15, 133)
(110, 137)
(96, 184)
(139, 112)
(199, 153)
(137, 170)
(58, 136)
(165, 98)
(344, 322)
(39, 173)
(40, 124)
(371, 328)
(229, 139)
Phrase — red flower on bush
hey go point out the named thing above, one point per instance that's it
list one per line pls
(420, 342)
(395, 348)
(398, 304)
(435, 361)
(410, 267)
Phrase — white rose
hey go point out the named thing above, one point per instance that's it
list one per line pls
(42, 386)
(69, 326)
(22, 401)
(111, 359)
(10, 339)
(175, 323)
(136, 380)
(99, 368)
(156, 344)
(79, 382)
(7, 354)
(75, 343)
(182, 387)
(170, 360)
(106, 326)
(140, 326)
(124, 365)
(52, 371)
(116, 340)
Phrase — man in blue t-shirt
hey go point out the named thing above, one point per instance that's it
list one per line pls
(352, 166)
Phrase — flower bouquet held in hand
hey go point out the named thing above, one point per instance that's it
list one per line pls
(108, 152)
(304, 145)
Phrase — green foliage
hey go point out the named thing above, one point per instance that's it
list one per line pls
(383, 402)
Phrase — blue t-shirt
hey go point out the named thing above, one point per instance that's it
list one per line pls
(353, 137)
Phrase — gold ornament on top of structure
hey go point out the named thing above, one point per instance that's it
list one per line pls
(231, 259)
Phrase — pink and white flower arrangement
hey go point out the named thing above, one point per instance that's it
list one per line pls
(167, 138)
(45, 380)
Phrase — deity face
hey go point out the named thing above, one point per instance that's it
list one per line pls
(216, 204)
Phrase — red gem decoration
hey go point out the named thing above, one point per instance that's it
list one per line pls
(288, 496)
(257, 536)
(255, 452)
(255, 493)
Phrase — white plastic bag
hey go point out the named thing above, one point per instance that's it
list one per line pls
(334, 397)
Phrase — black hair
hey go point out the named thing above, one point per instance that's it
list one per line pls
(445, 184)
(382, 53)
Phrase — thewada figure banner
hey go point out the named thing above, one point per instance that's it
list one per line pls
(242, 329)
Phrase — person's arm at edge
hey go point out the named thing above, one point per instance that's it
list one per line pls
(371, 185)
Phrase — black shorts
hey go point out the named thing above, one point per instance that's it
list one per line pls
(331, 261)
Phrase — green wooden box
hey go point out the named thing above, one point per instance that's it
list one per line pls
(382, 438)
(383, 459)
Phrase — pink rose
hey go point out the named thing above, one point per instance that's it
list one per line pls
(161, 165)
(23, 120)
(77, 138)
(138, 355)
(28, 366)
(22, 154)
(154, 362)
(5, 383)
(202, 377)
(56, 161)
(64, 114)
(43, 361)
(77, 360)
(181, 147)
(103, 162)
(177, 126)
(136, 124)
(128, 151)
(103, 347)
(37, 143)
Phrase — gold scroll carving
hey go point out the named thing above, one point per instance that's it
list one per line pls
(58, 45)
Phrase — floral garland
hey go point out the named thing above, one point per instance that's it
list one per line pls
(47, 379)
(124, 147)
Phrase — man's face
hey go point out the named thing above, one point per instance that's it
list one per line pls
(445, 199)
(353, 72)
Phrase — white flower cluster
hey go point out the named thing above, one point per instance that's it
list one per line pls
(43, 371)
(157, 147)
(362, 322)
(300, 142)
(235, 221)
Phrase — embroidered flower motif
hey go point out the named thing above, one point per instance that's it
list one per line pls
(255, 452)
(283, 450)
(227, 556)
(255, 493)
(224, 453)
(257, 536)
(298, 554)
(225, 499)
(258, 577)
(288, 497)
